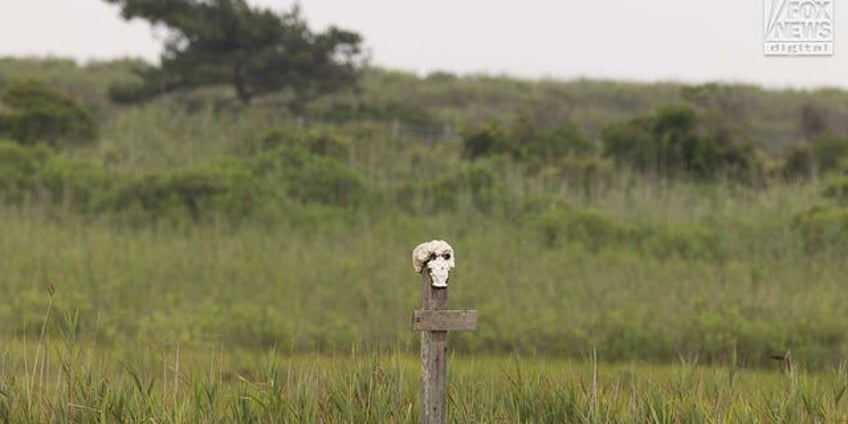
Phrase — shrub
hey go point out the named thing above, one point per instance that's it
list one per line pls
(40, 113)
(670, 143)
(799, 162)
(558, 224)
(475, 187)
(676, 241)
(537, 205)
(837, 189)
(825, 153)
(75, 184)
(580, 173)
(476, 184)
(321, 143)
(309, 178)
(222, 187)
(822, 226)
(631, 143)
(548, 143)
(19, 166)
(537, 143)
(486, 141)
(591, 228)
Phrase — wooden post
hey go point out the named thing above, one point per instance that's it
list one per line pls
(434, 322)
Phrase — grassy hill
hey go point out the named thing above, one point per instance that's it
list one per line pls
(166, 270)
(444, 99)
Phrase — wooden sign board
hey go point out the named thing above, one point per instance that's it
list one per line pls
(444, 320)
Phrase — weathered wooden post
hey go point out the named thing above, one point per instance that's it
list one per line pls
(434, 260)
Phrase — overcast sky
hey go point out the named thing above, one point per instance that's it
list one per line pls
(644, 40)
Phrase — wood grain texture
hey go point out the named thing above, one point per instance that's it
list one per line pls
(429, 320)
(434, 348)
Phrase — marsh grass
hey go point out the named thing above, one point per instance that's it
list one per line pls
(627, 299)
(293, 323)
(323, 283)
(192, 383)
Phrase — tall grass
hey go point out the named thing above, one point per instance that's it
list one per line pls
(680, 293)
(304, 287)
(176, 384)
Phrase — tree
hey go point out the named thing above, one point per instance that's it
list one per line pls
(254, 50)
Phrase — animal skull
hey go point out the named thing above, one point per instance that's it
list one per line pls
(437, 257)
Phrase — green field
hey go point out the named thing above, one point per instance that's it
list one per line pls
(173, 384)
(207, 263)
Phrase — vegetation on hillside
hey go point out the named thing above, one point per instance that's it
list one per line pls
(646, 223)
(670, 187)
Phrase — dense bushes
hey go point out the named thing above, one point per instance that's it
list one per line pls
(488, 140)
(308, 178)
(216, 188)
(528, 140)
(321, 143)
(557, 225)
(474, 187)
(18, 168)
(670, 143)
(823, 227)
(549, 140)
(76, 185)
(38, 113)
(229, 187)
(589, 227)
(823, 154)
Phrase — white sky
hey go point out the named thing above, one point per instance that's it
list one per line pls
(645, 40)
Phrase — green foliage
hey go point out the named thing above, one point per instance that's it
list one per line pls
(830, 151)
(309, 178)
(591, 228)
(18, 167)
(549, 145)
(74, 184)
(799, 163)
(823, 227)
(559, 254)
(170, 385)
(722, 110)
(825, 153)
(682, 242)
(669, 143)
(322, 143)
(632, 143)
(836, 188)
(537, 205)
(486, 141)
(559, 225)
(146, 84)
(256, 51)
(228, 187)
(354, 109)
(220, 188)
(474, 187)
(537, 143)
(39, 113)
(814, 119)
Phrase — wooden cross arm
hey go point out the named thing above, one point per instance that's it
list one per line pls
(444, 320)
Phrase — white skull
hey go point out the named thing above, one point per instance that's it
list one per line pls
(437, 257)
